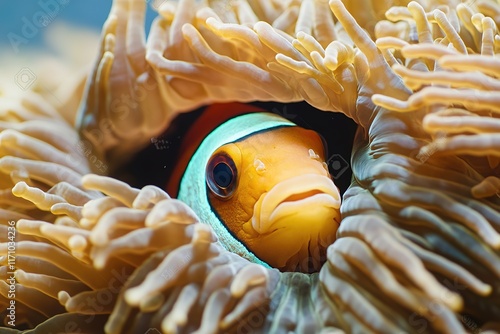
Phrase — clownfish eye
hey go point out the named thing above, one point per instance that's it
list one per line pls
(221, 175)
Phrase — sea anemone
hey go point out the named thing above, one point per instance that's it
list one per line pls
(418, 247)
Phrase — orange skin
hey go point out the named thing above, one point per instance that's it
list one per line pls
(297, 237)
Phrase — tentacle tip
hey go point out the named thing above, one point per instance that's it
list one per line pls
(377, 98)
(100, 262)
(19, 189)
(63, 297)
(454, 301)
(495, 242)
(457, 304)
(260, 25)
(188, 29)
(89, 178)
(108, 57)
(77, 243)
(413, 4)
(8, 136)
(485, 290)
(213, 22)
(133, 296)
(141, 204)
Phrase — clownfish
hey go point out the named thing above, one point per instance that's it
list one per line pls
(262, 184)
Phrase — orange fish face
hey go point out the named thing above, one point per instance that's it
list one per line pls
(273, 193)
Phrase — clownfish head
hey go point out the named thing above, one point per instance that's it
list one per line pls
(262, 183)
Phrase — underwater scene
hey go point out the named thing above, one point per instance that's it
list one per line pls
(250, 166)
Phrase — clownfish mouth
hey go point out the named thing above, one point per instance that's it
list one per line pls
(297, 219)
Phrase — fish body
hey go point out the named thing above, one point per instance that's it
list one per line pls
(262, 183)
